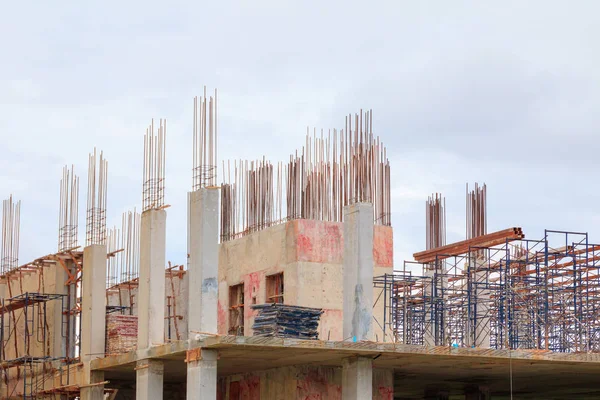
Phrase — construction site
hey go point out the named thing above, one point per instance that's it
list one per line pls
(289, 289)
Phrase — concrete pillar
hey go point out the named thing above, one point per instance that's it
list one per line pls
(357, 378)
(93, 317)
(358, 272)
(203, 267)
(429, 333)
(477, 393)
(202, 374)
(90, 390)
(59, 343)
(151, 290)
(149, 380)
(482, 333)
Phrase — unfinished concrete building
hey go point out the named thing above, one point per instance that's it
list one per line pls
(495, 316)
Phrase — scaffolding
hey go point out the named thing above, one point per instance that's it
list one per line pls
(24, 323)
(523, 294)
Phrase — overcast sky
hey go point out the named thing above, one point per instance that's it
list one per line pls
(461, 92)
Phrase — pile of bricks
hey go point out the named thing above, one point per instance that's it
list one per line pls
(121, 333)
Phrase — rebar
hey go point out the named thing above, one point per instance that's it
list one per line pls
(96, 200)
(124, 249)
(326, 174)
(204, 166)
(435, 216)
(68, 215)
(153, 190)
(11, 222)
(476, 211)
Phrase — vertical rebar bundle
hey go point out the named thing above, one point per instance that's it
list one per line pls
(130, 257)
(96, 200)
(124, 249)
(247, 205)
(153, 191)
(204, 169)
(68, 215)
(11, 222)
(113, 266)
(328, 173)
(476, 211)
(435, 216)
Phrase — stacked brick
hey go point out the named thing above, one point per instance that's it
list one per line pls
(121, 333)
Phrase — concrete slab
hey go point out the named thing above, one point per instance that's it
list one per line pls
(535, 373)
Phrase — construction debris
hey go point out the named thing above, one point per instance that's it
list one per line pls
(279, 320)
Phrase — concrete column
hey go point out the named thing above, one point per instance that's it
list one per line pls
(149, 380)
(151, 290)
(357, 378)
(358, 272)
(59, 348)
(93, 317)
(430, 320)
(202, 374)
(93, 303)
(91, 391)
(482, 306)
(203, 267)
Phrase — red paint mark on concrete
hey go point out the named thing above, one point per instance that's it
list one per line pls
(383, 246)
(319, 241)
(221, 319)
(252, 284)
(385, 393)
(250, 388)
(323, 242)
(316, 385)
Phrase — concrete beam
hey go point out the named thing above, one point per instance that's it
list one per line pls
(202, 374)
(203, 267)
(93, 306)
(149, 380)
(151, 291)
(357, 378)
(358, 272)
(482, 329)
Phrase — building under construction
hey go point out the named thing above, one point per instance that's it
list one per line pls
(289, 289)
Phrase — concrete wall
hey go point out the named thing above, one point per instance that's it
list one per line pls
(310, 254)
(175, 282)
(297, 383)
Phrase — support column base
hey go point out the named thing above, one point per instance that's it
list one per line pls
(93, 392)
(357, 378)
(149, 378)
(202, 374)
